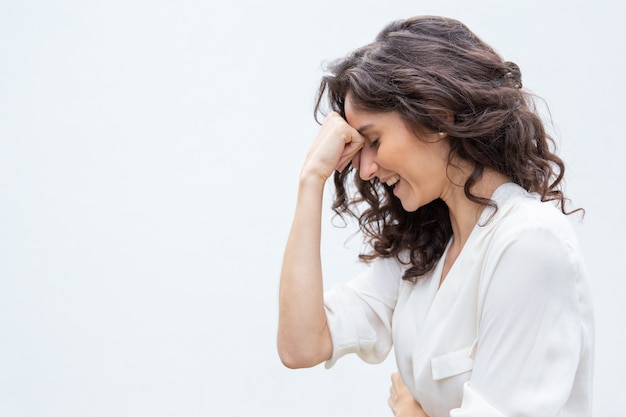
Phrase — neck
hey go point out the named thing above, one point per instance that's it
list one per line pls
(464, 213)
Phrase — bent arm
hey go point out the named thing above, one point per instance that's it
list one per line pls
(303, 335)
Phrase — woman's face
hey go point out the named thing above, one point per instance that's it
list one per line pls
(415, 167)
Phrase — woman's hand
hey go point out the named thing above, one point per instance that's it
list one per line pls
(401, 400)
(336, 144)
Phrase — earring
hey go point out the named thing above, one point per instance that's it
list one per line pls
(442, 134)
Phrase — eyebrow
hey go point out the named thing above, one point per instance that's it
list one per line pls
(362, 129)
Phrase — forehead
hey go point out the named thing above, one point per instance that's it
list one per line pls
(348, 106)
(363, 120)
(356, 115)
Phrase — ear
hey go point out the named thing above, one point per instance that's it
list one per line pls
(446, 115)
(446, 119)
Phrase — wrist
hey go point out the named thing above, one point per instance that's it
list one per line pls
(311, 179)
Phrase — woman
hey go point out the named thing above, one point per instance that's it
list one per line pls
(476, 278)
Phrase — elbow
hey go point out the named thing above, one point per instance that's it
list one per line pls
(293, 360)
(297, 358)
(290, 361)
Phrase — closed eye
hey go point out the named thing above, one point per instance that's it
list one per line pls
(375, 143)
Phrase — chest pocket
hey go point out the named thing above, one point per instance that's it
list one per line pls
(453, 363)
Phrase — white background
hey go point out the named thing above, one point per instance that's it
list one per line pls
(149, 155)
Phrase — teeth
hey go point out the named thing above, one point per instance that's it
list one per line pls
(391, 181)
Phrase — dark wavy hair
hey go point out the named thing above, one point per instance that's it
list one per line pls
(440, 77)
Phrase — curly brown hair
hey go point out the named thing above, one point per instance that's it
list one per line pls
(440, 77)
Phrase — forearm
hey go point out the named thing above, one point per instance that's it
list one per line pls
(303, 336)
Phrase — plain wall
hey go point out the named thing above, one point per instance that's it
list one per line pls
(149, 156)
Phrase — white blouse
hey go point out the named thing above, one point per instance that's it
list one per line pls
(508, 333)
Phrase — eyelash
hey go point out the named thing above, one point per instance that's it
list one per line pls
(375, 143)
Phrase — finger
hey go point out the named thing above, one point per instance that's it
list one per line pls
(344, 161)
(397, 384)
(393, 390)
(392, 406)
(395, 377)
(356, 160)
(352, 148)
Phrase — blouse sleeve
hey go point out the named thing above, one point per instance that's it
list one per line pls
(359, 313)
(533, 333)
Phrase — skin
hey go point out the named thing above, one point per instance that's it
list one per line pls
(392, 149)
(380, 145)
(303, 335)
(401, 400)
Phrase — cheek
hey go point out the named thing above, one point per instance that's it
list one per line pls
(392, 157)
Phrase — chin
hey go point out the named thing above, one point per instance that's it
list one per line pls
(413, 204)
(410, 206)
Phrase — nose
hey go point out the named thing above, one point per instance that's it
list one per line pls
(367, 163)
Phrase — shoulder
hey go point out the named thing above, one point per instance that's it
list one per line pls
(521, 213)
(529, 235)
(391, 267)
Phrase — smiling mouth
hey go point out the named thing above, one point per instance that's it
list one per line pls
(392, 181)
